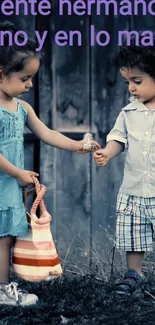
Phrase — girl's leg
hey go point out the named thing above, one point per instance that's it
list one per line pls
(5, 246)
(9, 293)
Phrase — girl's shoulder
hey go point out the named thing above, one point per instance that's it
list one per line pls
(22, 108)
(25, 105)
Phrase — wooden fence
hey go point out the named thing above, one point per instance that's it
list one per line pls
(77, 90)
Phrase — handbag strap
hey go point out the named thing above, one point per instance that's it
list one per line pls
(40, 190)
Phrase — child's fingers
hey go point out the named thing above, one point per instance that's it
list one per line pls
(98, 154)
(34, 174)
(95, 145)
(101, 161)
(100, 158)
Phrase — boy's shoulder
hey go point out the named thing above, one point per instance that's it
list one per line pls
(131, 106)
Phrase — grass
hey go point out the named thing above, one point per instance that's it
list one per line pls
(82, 300)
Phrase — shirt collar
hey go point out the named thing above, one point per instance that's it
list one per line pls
(135, 105)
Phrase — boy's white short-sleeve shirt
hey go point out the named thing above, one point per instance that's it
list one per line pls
(135, 127)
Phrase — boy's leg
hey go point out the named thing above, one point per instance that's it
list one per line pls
(133, 277)
(134, 261)
(5, 246)
(134, 235)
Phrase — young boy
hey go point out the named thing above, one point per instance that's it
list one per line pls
(135, 130)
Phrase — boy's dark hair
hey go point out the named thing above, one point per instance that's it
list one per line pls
(12, 57)
(136, 56)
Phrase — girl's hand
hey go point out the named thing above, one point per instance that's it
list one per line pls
(101, 157)
(24, 177)
(84, 149)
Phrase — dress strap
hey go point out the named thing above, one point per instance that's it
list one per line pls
(20, 105)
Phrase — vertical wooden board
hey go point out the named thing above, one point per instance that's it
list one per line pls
(73, 210)
(22, 21)
(46, 111)
(71, 76)
(142, 22)
(71, 69)
(109, 95)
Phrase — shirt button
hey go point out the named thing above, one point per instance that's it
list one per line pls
(147, 133)
(144, 153)
(145, 172)
(146, 113)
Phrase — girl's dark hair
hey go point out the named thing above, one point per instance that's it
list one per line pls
(136, 56)
(12, 56)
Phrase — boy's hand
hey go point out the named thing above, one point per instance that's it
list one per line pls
(84, 148)
(101, 157)
(24, 177)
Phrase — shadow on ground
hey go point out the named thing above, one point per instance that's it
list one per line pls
(82, 301)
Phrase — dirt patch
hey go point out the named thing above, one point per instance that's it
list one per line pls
(82, 300)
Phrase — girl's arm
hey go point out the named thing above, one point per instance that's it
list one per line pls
(8, 168)
(51, 137)
(23, 177)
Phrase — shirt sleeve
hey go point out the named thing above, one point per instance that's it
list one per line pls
(119, 132)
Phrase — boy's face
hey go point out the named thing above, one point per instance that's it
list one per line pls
(140, 84)
(17, 83)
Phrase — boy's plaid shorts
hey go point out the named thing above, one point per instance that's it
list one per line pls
(135, 223)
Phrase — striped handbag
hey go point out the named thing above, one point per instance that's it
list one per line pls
(34, 255)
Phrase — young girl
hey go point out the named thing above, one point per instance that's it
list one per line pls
(135, 128)
(18, 65)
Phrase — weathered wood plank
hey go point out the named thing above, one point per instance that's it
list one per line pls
(108, 97)
(73, 200)
(45, 104)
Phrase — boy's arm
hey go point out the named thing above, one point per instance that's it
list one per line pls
(118, 132)
(113, 148)
(116, 141)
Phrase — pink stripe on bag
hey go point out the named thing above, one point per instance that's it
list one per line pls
(42, 257)
(36, 278)
(36, 266)
(32, 245)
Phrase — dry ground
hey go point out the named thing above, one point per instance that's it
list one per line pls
(83, 300)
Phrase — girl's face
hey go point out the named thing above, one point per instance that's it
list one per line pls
(17, 83)
(140, 84)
